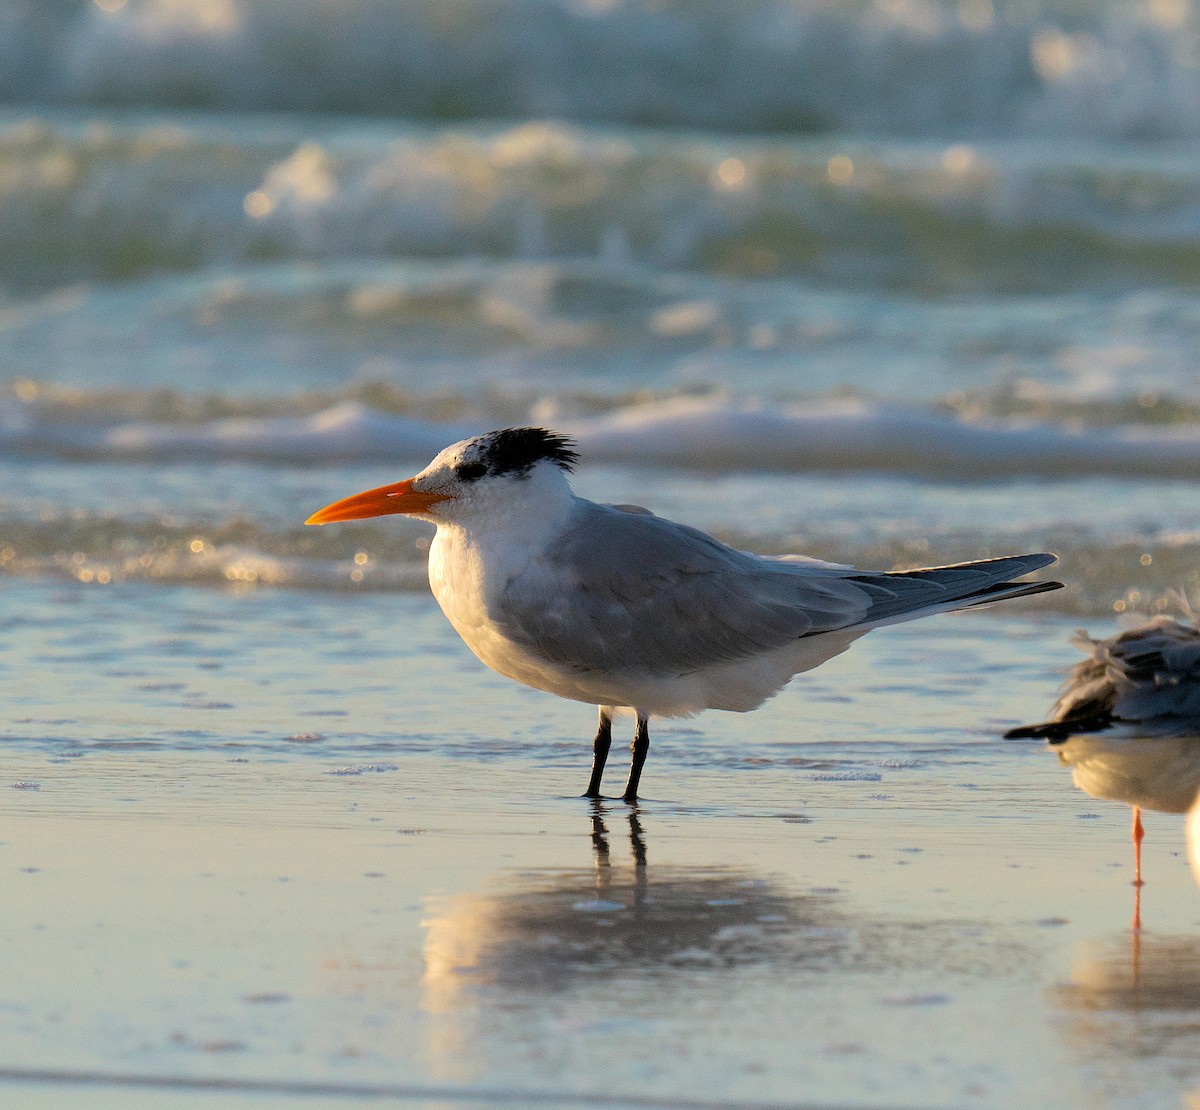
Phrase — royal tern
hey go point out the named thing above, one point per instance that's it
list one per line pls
(612, 605)
(1128, 720)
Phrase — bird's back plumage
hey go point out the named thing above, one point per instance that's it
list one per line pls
(617, 591)
(1143, 681)
(629, 608)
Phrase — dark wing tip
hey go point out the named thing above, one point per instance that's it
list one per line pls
(1057, 731)
(1006, 591)
(1030, 732)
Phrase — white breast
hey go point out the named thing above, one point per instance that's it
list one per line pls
(1154, 772)
(467, 578)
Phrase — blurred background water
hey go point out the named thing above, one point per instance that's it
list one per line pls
(921, 275)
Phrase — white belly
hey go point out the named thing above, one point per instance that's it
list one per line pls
(1160, 773)
(462, 584)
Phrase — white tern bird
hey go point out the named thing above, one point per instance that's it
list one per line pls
(612, 605)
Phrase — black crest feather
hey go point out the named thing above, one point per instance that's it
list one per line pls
(515, 450)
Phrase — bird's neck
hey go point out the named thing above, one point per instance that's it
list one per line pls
(515, 530)
(472, 561)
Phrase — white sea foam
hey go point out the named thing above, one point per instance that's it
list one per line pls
(345, 432)
(691, 433)
(1107, 68)
(862, 435)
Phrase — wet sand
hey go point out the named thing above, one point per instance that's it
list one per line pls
(906, 914)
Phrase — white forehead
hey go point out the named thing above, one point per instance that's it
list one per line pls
(456, 453)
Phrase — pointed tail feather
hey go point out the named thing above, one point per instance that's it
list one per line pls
(908, 594)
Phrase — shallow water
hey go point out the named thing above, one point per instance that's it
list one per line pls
(284, 843)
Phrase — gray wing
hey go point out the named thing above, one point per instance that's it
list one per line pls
(619, 591)
(1146, 678)
(1153, 672)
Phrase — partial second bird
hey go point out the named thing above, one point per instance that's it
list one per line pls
(1128, 720)
(617, 607)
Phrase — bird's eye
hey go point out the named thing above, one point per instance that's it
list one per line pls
(468, 472)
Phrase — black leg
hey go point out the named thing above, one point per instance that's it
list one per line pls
(600, 748)
(637, 751)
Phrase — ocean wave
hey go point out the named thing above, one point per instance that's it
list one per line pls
(937, 67)
(84, 199)
(699, 433)
(863, 435)
(484, 339)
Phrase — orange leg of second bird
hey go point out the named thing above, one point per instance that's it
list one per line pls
(1138, 833)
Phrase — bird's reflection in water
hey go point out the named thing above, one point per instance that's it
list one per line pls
(1139, 971)
(631, 943)
(637, 840)
(544, 931)
(1134, 1001)
(532, 933)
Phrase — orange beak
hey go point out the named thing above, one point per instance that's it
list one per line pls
(398, 498)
